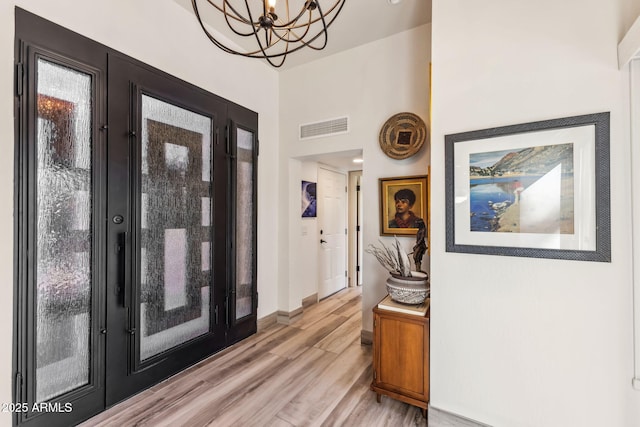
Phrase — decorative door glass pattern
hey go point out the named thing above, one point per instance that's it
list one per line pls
(244, 223)
(63, 229)
(124, 241)
(175, 226)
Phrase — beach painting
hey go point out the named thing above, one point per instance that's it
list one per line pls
(538, 189)
(526, 190)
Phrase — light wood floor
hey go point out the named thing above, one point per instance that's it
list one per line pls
(313, 372)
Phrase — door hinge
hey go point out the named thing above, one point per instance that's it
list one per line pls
(215, 310)
(357, 228)
(257, 299)
(346, 189)
(19, 78)
(257, 147)
(375, 375)
(357, 268)
(358, 187)
(345, 273)
(345, 231)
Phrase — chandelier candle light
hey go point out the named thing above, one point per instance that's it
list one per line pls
(278, 27)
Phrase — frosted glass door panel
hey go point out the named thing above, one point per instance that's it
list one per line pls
(245, 220)
(63, 229)
(175, 232)
(175, 269)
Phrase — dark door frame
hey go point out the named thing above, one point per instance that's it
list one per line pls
(241, 327)
(125, 372)
(33, 42)
(36, 36)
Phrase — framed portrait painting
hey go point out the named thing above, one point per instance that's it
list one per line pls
(403, 205)
(537, 189)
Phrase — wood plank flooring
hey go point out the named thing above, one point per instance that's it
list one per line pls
(314, 372)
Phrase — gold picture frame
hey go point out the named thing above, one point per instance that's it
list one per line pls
(412, 194)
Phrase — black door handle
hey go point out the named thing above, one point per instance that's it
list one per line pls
(121, 249)
(323, 241)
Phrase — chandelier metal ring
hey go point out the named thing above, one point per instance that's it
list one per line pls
(278, 29)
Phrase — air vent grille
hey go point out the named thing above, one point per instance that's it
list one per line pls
(324, 128)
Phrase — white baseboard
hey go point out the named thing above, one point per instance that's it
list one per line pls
(445, 418)
(287, 318)
(266, 321)
(366, 337)
(310, 300)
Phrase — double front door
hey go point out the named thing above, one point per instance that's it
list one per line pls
(132, 264)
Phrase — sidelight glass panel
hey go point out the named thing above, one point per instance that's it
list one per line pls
(63, 229)
(176, 195)
(245, 221)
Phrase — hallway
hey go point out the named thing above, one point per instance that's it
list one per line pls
(314, 372)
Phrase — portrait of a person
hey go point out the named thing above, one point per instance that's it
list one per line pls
(404, 200)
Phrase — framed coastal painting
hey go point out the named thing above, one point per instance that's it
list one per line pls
(403, 205)
(537, 189)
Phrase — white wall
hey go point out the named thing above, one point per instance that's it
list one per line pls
(166, 36)
(628, 48)
(531, 342)
(369, 84)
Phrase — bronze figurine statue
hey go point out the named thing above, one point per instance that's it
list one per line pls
(421, 246)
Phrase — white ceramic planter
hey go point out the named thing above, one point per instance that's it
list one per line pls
(408, 290)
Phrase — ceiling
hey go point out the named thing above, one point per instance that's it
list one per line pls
(359, 22)
(342, 160)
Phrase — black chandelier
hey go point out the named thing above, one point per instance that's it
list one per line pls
(277, 30)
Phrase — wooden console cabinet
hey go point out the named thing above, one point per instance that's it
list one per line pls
(401, 357)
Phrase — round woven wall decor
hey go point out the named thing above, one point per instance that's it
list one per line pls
(402, 135)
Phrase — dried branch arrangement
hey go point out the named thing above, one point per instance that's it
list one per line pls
(393, 258)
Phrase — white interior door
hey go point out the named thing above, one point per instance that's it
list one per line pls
(332, 229)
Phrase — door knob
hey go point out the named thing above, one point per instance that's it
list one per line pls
(323, 241)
